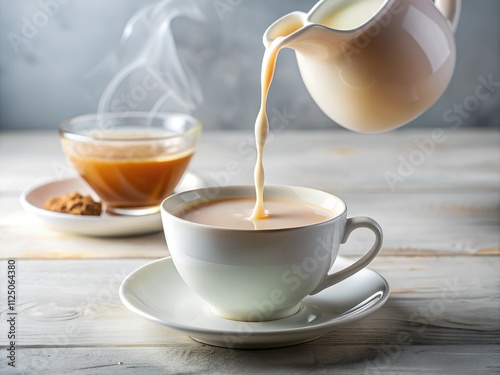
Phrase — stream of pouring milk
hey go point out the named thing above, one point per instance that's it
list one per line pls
(262, 126)
(348, 16)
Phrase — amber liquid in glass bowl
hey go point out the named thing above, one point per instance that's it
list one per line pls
(132, 161)
(133, 183)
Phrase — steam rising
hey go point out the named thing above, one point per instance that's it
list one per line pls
(150, 75)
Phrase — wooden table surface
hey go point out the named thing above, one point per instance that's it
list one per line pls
(436, 194)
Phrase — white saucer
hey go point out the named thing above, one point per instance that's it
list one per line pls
(33, 198)
(157, 292)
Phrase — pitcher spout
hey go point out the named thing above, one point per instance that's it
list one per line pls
(285, 28)
(296, 31)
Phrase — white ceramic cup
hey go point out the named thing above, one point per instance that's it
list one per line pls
(258, 275)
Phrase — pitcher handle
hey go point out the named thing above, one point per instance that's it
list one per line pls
(352, 224)
(450, 9)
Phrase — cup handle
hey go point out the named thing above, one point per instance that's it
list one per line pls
(352, 224)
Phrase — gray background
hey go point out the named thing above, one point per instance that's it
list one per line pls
(47, 80)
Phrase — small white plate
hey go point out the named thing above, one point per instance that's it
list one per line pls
(105, 225)
(157, 292)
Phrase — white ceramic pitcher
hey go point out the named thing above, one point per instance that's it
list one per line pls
(380, 74)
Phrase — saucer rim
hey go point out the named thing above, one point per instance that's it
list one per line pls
(313, 332)
(36, 209)
(68, 223)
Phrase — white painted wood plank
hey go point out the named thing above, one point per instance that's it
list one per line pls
(434, 301)
(338, 160)
(307, 358)
(442, 316)
(413, 224)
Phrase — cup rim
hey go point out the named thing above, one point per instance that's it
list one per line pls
(73, 135)
(242, 188)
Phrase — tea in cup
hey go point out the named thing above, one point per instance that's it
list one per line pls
(131, 160)
(259, 270)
